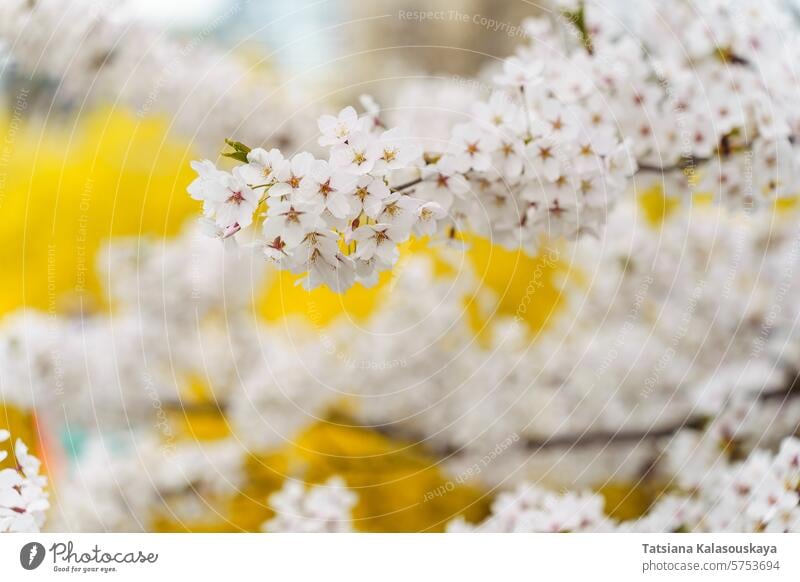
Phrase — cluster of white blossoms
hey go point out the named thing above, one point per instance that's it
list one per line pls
(757, 495)
(572, 117)
(97, 51)
(23, 499)
(527, 165)
(706, 91)
(529, 508)
(323, 508)
(703, 92)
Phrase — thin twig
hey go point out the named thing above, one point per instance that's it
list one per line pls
(603, 437)
(407, 185)
(681, 166)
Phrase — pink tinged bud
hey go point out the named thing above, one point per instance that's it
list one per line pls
(231, 230)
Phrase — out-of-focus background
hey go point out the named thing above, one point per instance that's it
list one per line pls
(342, 39)
(171, 384)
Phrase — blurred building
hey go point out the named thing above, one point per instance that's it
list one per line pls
(349, 46)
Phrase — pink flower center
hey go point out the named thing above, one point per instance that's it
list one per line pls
(236, 198)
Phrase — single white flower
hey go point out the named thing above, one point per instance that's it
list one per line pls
(397, 151)
(499, 112)
(369, 195)
(399, 210)
(261, 166)
(337, 130)
(728, 112)
(519, 73)
(329, 189)
(208, 178)
(509, 159)
(289, 177)
(226, 197)
(378, 241)
(472, 148)
(442, 182)
(556, 120)
(592, 146)
(358, 155)
(544, 157)
(428, 215)
(288, 222)
(592, 189)
(318, 257)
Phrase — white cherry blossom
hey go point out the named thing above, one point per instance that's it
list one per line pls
(329, 189)
(357, 156)
(428, 215)
(369, 195)
(288, 222)
(337, 130)
(226, 197)
(378, 241)
(519, 73)
(262, 166)
(289, 178)
(473, 148)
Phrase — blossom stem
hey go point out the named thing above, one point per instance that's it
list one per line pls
(603, 438)
(409, 184)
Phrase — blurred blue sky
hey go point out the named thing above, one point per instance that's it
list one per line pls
(286, 29)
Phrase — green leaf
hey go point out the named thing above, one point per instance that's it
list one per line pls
(577, 19)
(239, 152)
(239, 156)
(238, 146)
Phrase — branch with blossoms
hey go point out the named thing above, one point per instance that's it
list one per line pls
(601, 438)
(713, 105)
(517, 173)
(692, 422)
(546, 156)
